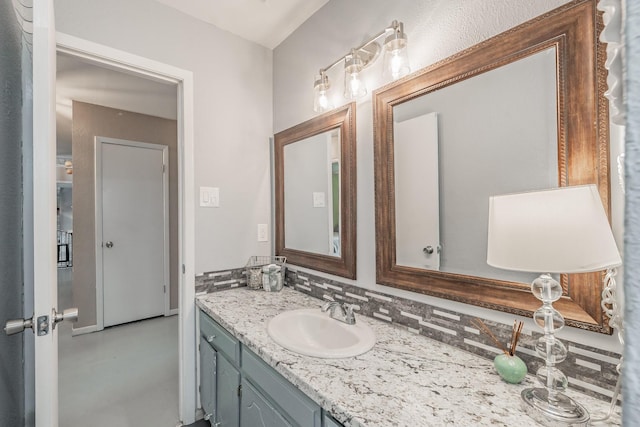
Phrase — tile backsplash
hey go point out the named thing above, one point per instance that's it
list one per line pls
(590, 370)
(215, 281)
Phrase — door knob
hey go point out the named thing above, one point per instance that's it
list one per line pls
(109, 244)
(429, 249)
(16, 326)
(70, 314)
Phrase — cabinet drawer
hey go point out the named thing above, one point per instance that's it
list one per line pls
(302, 410)
(220, 339)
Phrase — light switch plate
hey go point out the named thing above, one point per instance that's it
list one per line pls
(210, 197)
(263, 233)
(318, 200)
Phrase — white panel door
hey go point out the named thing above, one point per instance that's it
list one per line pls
(134, 230)
(417, 192)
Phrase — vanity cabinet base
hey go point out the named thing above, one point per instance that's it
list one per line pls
(238, 389)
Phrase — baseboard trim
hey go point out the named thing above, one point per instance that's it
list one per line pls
(173, 312)
(84, 330)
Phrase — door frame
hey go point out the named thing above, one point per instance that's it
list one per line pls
(151, 69)
(98, 141)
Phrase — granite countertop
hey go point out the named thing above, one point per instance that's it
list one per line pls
(405, 380)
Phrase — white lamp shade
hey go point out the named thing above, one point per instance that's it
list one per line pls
(563, 230)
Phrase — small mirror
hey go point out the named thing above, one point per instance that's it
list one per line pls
(315, 174)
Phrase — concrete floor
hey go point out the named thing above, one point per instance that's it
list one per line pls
(123, 376)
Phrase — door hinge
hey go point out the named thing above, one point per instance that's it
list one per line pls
(240, 390)
(164, 288)
(164, 168)
(183, 269)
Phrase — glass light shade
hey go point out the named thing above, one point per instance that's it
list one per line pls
(354, 87)
(563, 230)
(396, 58)
(321, 101)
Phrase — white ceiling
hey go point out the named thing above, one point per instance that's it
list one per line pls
(266, 22)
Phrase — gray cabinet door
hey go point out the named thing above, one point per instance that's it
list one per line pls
(228, 399)
(330, 422)
(207, 379)
(256, 411)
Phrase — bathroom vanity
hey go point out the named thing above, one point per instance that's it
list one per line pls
(238, 388)
(406, 379)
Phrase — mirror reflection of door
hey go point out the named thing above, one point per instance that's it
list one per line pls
(312, 195)
(417, 199)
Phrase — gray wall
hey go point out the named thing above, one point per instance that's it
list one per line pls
(90, 121)
(306, 170)
(232, 112)
(11, 286)
(631, 384)
(436, 29)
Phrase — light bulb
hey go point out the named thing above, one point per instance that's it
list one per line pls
(321, 101)
(354, 87)
(397, 65)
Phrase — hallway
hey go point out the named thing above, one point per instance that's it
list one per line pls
(123, 376)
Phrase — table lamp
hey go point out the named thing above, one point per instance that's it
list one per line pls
(563, 230)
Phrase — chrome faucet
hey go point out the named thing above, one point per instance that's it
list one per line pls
(342, 312)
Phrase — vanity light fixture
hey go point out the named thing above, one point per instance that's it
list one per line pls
(396, 66)
(396, 58)
(562, 230)
(68, 167)
(321, 101)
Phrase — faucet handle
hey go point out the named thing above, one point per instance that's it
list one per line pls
(326, 306)
(348, 313)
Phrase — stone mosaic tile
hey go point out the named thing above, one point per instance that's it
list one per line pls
(215, 281)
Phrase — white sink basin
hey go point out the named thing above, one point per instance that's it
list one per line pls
(311, 332)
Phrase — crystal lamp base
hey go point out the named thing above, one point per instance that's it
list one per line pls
(564, 411)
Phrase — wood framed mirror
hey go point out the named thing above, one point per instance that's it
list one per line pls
(315, 193)
(486, 97)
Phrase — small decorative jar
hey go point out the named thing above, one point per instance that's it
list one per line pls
(511, 368)
(272, 278)
(254, 278)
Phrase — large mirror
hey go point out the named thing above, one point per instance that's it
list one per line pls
(315, 175)
(522, 111)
